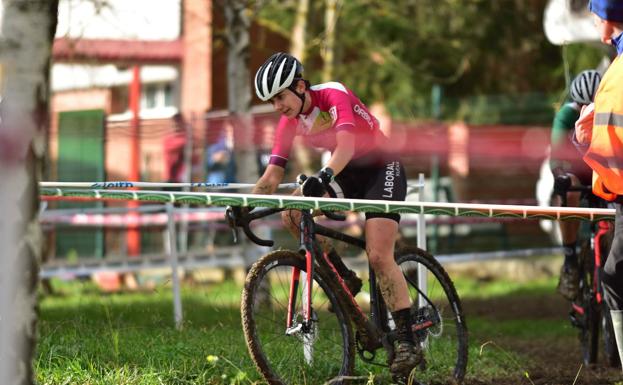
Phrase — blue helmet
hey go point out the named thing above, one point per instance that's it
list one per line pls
(611, 10)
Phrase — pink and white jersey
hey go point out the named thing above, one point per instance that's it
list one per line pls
(333, 108)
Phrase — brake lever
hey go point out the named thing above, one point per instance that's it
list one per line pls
(231, 221)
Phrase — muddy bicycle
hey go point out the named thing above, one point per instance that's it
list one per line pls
(298, 315)
(589, 312)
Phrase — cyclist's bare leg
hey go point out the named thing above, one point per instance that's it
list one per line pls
(569, 229)
(381, 235)
(569, 275)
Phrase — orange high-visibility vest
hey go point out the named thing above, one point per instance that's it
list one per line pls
(605, 154)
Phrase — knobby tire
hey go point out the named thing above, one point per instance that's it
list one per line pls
(278, 357)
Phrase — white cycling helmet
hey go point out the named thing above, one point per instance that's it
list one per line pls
(584, 87)
(277, 74)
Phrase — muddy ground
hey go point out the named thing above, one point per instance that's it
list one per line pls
(554, 361)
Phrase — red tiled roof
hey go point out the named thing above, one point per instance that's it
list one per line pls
(109, 50)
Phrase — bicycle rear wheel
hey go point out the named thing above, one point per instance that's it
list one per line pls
(611, 352)
(589, 331)
(440, 323)
(302, 353)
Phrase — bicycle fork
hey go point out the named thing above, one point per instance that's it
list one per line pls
(306, 246)
(603, 228)
(306, 297)
(305, 329)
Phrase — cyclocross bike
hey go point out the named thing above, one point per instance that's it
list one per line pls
(589, 312)
(304, 333)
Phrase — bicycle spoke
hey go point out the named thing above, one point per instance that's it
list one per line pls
(317, 350)
(441, 329)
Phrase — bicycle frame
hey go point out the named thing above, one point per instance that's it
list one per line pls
(603, 228)
(369, 327)
(373, 331)
(590, 308)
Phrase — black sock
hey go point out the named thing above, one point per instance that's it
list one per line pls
(571, 258)
(404, 322)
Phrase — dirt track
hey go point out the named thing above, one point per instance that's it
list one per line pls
(554, 361)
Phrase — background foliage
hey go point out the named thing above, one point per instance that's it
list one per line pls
(483, 60)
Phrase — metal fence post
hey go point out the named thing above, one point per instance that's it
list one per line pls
(175, 279)
(421, 242)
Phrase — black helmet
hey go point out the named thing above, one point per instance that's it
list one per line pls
(584, 87)
(276, 74)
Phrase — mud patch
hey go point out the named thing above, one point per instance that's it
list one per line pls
(553, 361)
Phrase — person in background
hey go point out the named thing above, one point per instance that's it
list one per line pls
(219, 158)
(600, 129)
(173, 148)
(569, 170)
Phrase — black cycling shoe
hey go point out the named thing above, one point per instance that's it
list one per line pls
(407, 357)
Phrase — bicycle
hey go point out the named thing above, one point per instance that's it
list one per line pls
(304, 334)
(589, 312)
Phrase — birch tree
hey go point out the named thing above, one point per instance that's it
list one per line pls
(237, 24)
(328, 48)
(27, 30)
(298, 46)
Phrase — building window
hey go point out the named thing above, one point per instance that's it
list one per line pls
(158, 100)
(157, 95)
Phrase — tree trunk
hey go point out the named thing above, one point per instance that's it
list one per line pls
(328, 50)
(298, 45)
(239, 89)
(298, 49)
(27, 29)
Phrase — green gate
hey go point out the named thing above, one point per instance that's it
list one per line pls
(80, 159)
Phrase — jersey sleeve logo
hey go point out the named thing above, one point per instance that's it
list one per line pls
(333, 112)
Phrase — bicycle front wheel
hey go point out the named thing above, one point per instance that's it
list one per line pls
(299, 353)
(440, 326)
(589, 331)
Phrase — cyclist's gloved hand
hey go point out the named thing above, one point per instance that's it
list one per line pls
(562, 183)
(316, 186)
(313, 187)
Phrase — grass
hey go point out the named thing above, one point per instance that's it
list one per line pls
(85, 337)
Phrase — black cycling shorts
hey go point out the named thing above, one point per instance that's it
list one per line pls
(373, 176)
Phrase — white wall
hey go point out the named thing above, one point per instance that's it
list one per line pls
(119, 19)
(81, 76)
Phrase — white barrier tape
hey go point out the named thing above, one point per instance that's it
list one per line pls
(335, 204)
(161, 185)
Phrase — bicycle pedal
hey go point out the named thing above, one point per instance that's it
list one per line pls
(575, 320)
(424, 318)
